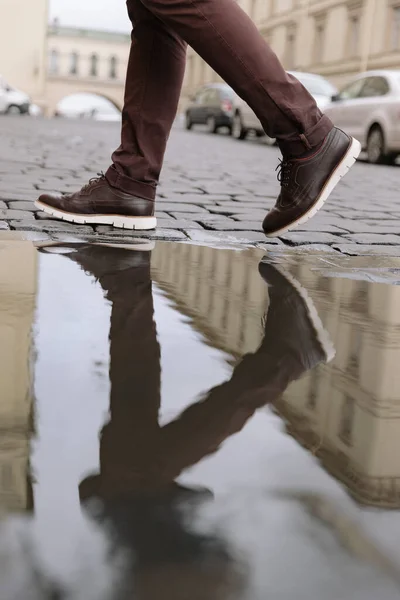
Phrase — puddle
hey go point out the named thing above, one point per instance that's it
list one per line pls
(171, 427)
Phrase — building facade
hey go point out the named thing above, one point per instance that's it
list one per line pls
(51, 62)
(85, 60)
(335, 38)
(23, 29)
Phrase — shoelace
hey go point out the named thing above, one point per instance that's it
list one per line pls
(284, 171)
(100, 177)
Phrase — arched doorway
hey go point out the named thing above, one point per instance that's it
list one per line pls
(88, 106)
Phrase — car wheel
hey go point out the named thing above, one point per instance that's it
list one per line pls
(238, 131)
(13, 109)
(211, 125)
(188, 122)
(390, 159)
(376, 146)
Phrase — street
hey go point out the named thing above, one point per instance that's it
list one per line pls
(213, 189)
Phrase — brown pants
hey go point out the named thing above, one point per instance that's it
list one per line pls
(224, 36)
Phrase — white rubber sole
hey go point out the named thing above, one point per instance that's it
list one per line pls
(343, 167)
(138, 223)
(322, 334)
(145, 246)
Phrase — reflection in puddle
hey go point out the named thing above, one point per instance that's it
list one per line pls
(125, 375)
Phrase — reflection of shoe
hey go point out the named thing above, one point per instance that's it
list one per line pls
(293, 325)
(68, 247)
(100, 260)
(99, 203)
(306, 183)
(118, 270)
(95, 486)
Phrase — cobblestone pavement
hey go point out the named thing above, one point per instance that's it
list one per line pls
(214, 189)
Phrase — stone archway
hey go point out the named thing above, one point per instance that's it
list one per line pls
(57, 89)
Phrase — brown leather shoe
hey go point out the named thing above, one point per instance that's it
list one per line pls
(98, 203)
(306, 183)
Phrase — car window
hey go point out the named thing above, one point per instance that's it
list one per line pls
(212, 96)
(201, 96)
(374, 86)
(352, 90)
(227, 93)
(316, 87)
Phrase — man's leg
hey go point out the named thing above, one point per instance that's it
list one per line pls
(316, 155)
(153, 86)
(124, 197)
(229, 41)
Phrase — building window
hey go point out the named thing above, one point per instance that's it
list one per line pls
(353, 365)
(396, 28)
(354, 36)
(94, 65)
(290, 51)
(314, 389)
(189, 74)
(319, 42)
(202, 72)
(113, 67)
(347, 421)
(53, 62)
(73, 69)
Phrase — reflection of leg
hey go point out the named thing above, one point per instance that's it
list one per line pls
(201, 428)
(134, 353)
(153, 84)
(127, 439)
(294, 342)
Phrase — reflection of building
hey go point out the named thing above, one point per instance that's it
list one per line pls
(23, 26)
(336, 38)
(348, 412)
(17, 304)
(219, 290)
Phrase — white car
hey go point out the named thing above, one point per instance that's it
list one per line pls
(368, 108)
(244, 119)
(12, 100)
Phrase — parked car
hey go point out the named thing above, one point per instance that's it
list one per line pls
(216, 105)
(320, 88)
(368, 108)
(212, 106)
(244, 119)
(12, 100)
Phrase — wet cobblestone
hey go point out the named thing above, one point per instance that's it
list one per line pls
(212, 188)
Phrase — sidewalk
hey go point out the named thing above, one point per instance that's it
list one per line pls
(213, 190)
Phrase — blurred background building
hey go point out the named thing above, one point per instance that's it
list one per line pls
(23, 45)
(85, 61)
(335, 38)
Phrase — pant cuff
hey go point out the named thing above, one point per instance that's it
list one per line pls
(303, 142)
(130, 186)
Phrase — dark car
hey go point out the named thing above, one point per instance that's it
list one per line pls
(213, 105)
